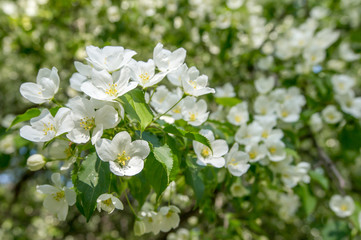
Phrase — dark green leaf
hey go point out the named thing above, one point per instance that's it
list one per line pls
(29, 114)
(139, 187)
(309, 202)
(194, 179)
(136, 107)
(92, 181)
(190, 135)
(156, 174)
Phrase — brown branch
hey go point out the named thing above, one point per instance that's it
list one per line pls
(328, 163)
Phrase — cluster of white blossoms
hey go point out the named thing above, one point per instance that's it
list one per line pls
(151, 221)
(306, 42)
(110, 73)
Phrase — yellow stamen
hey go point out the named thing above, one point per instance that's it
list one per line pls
(343, 207)
(145, 77)
(122, 158)
(108, 202)
(47, 128)
(87, 123)
(265, 134)
(272, 150)
(205, 152)
(58, 196)
(238, 118)
(112, 91)
(193, 117)
(284, 114)
(252, 155)
(233, 162)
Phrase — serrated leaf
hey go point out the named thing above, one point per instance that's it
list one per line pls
(29, 114)
(228, 101)
(163, 155)
(190, 135)
(136, 107)
(156, 174)
(93, 180)
(53, 111)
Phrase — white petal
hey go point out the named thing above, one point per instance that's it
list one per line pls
(138, 148)
(107, 116)
(70, 196)
(105, 150)
(135, 165)
(33, 92)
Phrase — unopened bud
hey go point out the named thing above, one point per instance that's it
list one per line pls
(35, 162)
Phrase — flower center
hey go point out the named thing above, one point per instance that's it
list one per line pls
(343, 207)
(193, 116)
(58, 196)
(284, 114)
(48, 128)
(238, 118)
(169, 214)
(233, 162)
(252, 155)
(112, 91)
(145, 77)
(272, 150)
(87, 123)
(265, 134)
(123, 158)
(205, 152)
(108, 202)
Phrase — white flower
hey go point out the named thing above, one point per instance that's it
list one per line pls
(264, 85)
(289, 204)
(88, 120)
(195, 113)
(150, 222)
(238, 114)
(35, 162)
(126, 158)
(249, 134)
(237, 161)
(267, 130)
(108, 203)
(47, 84)
(350, 104)
(331, 115)
(205, 155)
(234, 4)
(103, 86)
(238, 190)
(45, 127)
(58, 197)
(226, 91)
(316, 122)
(169, 218)
(83, 74)
(256, 151)
(343, 206)
(265, 107)
(276, 150)
(7, 144)
(289, 112)
(175, 77)
(166, 60)
(181, 234)
(195, 84)
(109, 58)
(144, 73)
(163, 100)
(342, 84)
(291, 175)
(346, 52)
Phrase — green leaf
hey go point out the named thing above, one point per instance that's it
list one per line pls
(163, 155)
(156, 174)
(29, 114)
(194, 179)
(92, 181)
(136, 107)
(228, 101)
(54, 110)
(320, 178)
(309, 202)
(139, 188)
(335, 230)
(190, 135)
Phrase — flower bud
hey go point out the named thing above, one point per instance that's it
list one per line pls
(35, 162)
(139, 228)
